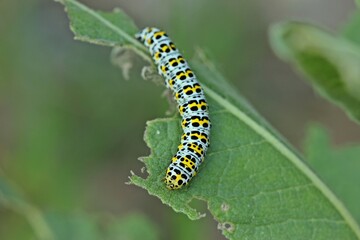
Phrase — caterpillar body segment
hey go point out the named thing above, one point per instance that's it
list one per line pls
(191, 103)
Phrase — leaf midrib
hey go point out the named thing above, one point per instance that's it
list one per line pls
(278, 145)
(109, 24)
(286, 152)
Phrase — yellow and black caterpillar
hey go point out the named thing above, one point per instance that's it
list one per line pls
(191, 102)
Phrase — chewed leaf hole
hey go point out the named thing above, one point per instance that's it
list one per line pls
(226, 226)
(200, 206)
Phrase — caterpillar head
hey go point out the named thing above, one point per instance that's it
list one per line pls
(175, 177)
(145, 35)
(141, 35)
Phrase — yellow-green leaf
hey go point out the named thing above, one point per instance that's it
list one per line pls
(338, 166)
(330, 63)
(254, 184)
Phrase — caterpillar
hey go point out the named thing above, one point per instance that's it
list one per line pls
(191, 102)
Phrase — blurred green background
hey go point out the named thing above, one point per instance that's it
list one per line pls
(71, 128)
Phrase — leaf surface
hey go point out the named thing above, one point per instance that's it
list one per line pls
(56, 226)
(255, 185)
(103, 28)
(351, 29)
(331, 64)
(338, 166)
(12, 199)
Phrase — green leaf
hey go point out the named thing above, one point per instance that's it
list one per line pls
(109, 29)
(12, 199)
(85, 226)
(8, 195)
(73, 227)
(255, 185)
(351, 30)
(55, 226)
(133, 227)
(330, 63)
(339, 167)
(103, 28)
